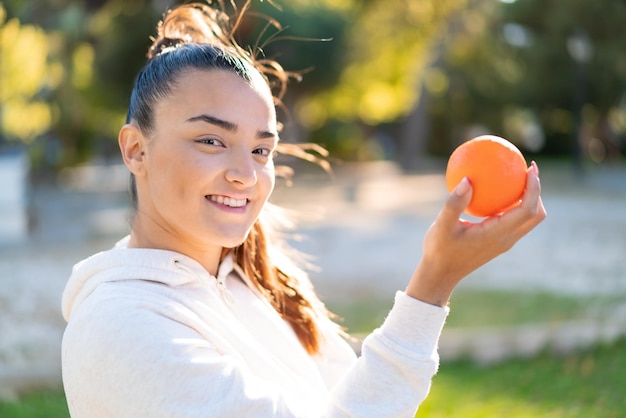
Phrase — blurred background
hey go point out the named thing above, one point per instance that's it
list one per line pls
(390, 88)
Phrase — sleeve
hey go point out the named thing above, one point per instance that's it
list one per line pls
(147, 365)
(398, 360)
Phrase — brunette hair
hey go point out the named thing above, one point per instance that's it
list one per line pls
(197, 36)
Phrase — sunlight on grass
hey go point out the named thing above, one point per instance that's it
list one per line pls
(480, 308)
(470, 308)
(585, 384)
(41, 404)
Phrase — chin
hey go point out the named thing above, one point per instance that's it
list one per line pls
(232, 245)
(235, 240)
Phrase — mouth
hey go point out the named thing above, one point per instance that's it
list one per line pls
(228, 201)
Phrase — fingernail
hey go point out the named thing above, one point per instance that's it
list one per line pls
(463, 187)
(535, 168)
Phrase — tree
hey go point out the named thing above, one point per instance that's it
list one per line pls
(24, 114)
(388, 48)
(366, 76)
(87, 54)
(516, 71)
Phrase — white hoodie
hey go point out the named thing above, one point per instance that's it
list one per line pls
(152, 334)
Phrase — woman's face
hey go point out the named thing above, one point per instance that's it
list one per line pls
(209, 161)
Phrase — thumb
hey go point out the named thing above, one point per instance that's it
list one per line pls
(458, 200)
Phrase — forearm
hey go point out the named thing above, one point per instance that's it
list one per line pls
(393, 375)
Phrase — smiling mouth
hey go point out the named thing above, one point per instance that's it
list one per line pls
(228, 201)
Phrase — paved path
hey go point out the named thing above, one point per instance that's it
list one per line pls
(376, 222)
(365, 229)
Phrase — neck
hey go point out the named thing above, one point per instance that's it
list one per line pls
(144, 234)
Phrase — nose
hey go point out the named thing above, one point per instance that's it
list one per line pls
(242, 169)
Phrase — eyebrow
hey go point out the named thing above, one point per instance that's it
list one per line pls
(229, 126)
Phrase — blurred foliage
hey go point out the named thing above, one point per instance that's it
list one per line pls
(87, 58)
(387, 49)
(548, 75)
(25, 114)
(385, 54)
(379, 76)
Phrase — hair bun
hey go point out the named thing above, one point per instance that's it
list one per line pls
(200, 23)
(191, 23)
(163, 45)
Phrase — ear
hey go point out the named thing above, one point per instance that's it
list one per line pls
(132, 144)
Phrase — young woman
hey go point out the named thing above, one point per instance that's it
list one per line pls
(197, 313)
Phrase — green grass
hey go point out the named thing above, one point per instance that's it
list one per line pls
(480, 308)
(40, 404)
(471, 308)
(586, 384)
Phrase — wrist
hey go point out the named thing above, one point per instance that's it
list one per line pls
(430, 285)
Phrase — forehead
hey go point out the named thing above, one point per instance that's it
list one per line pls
(220, 92)
(222, 81)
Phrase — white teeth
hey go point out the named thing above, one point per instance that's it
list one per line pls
(234, 203)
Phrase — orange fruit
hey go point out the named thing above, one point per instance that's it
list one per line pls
(496, 169)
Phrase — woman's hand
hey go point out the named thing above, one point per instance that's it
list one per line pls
(453, 248)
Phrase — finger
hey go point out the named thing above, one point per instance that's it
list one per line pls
(533, 187)
(457, 202)
(539, 215)
(531, 212)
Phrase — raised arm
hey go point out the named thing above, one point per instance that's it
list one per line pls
(453, 248)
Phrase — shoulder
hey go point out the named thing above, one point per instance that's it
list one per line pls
(128, 316)
(129, 357)
(120, 322)
(121, 349)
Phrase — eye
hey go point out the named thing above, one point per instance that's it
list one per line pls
(264, 152)
(211, 141)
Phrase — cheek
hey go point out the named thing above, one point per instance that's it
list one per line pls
(171, 174)
(268, 177)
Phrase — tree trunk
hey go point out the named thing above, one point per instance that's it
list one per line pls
(415, 132)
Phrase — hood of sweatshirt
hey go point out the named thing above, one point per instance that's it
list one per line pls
(122, 263)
